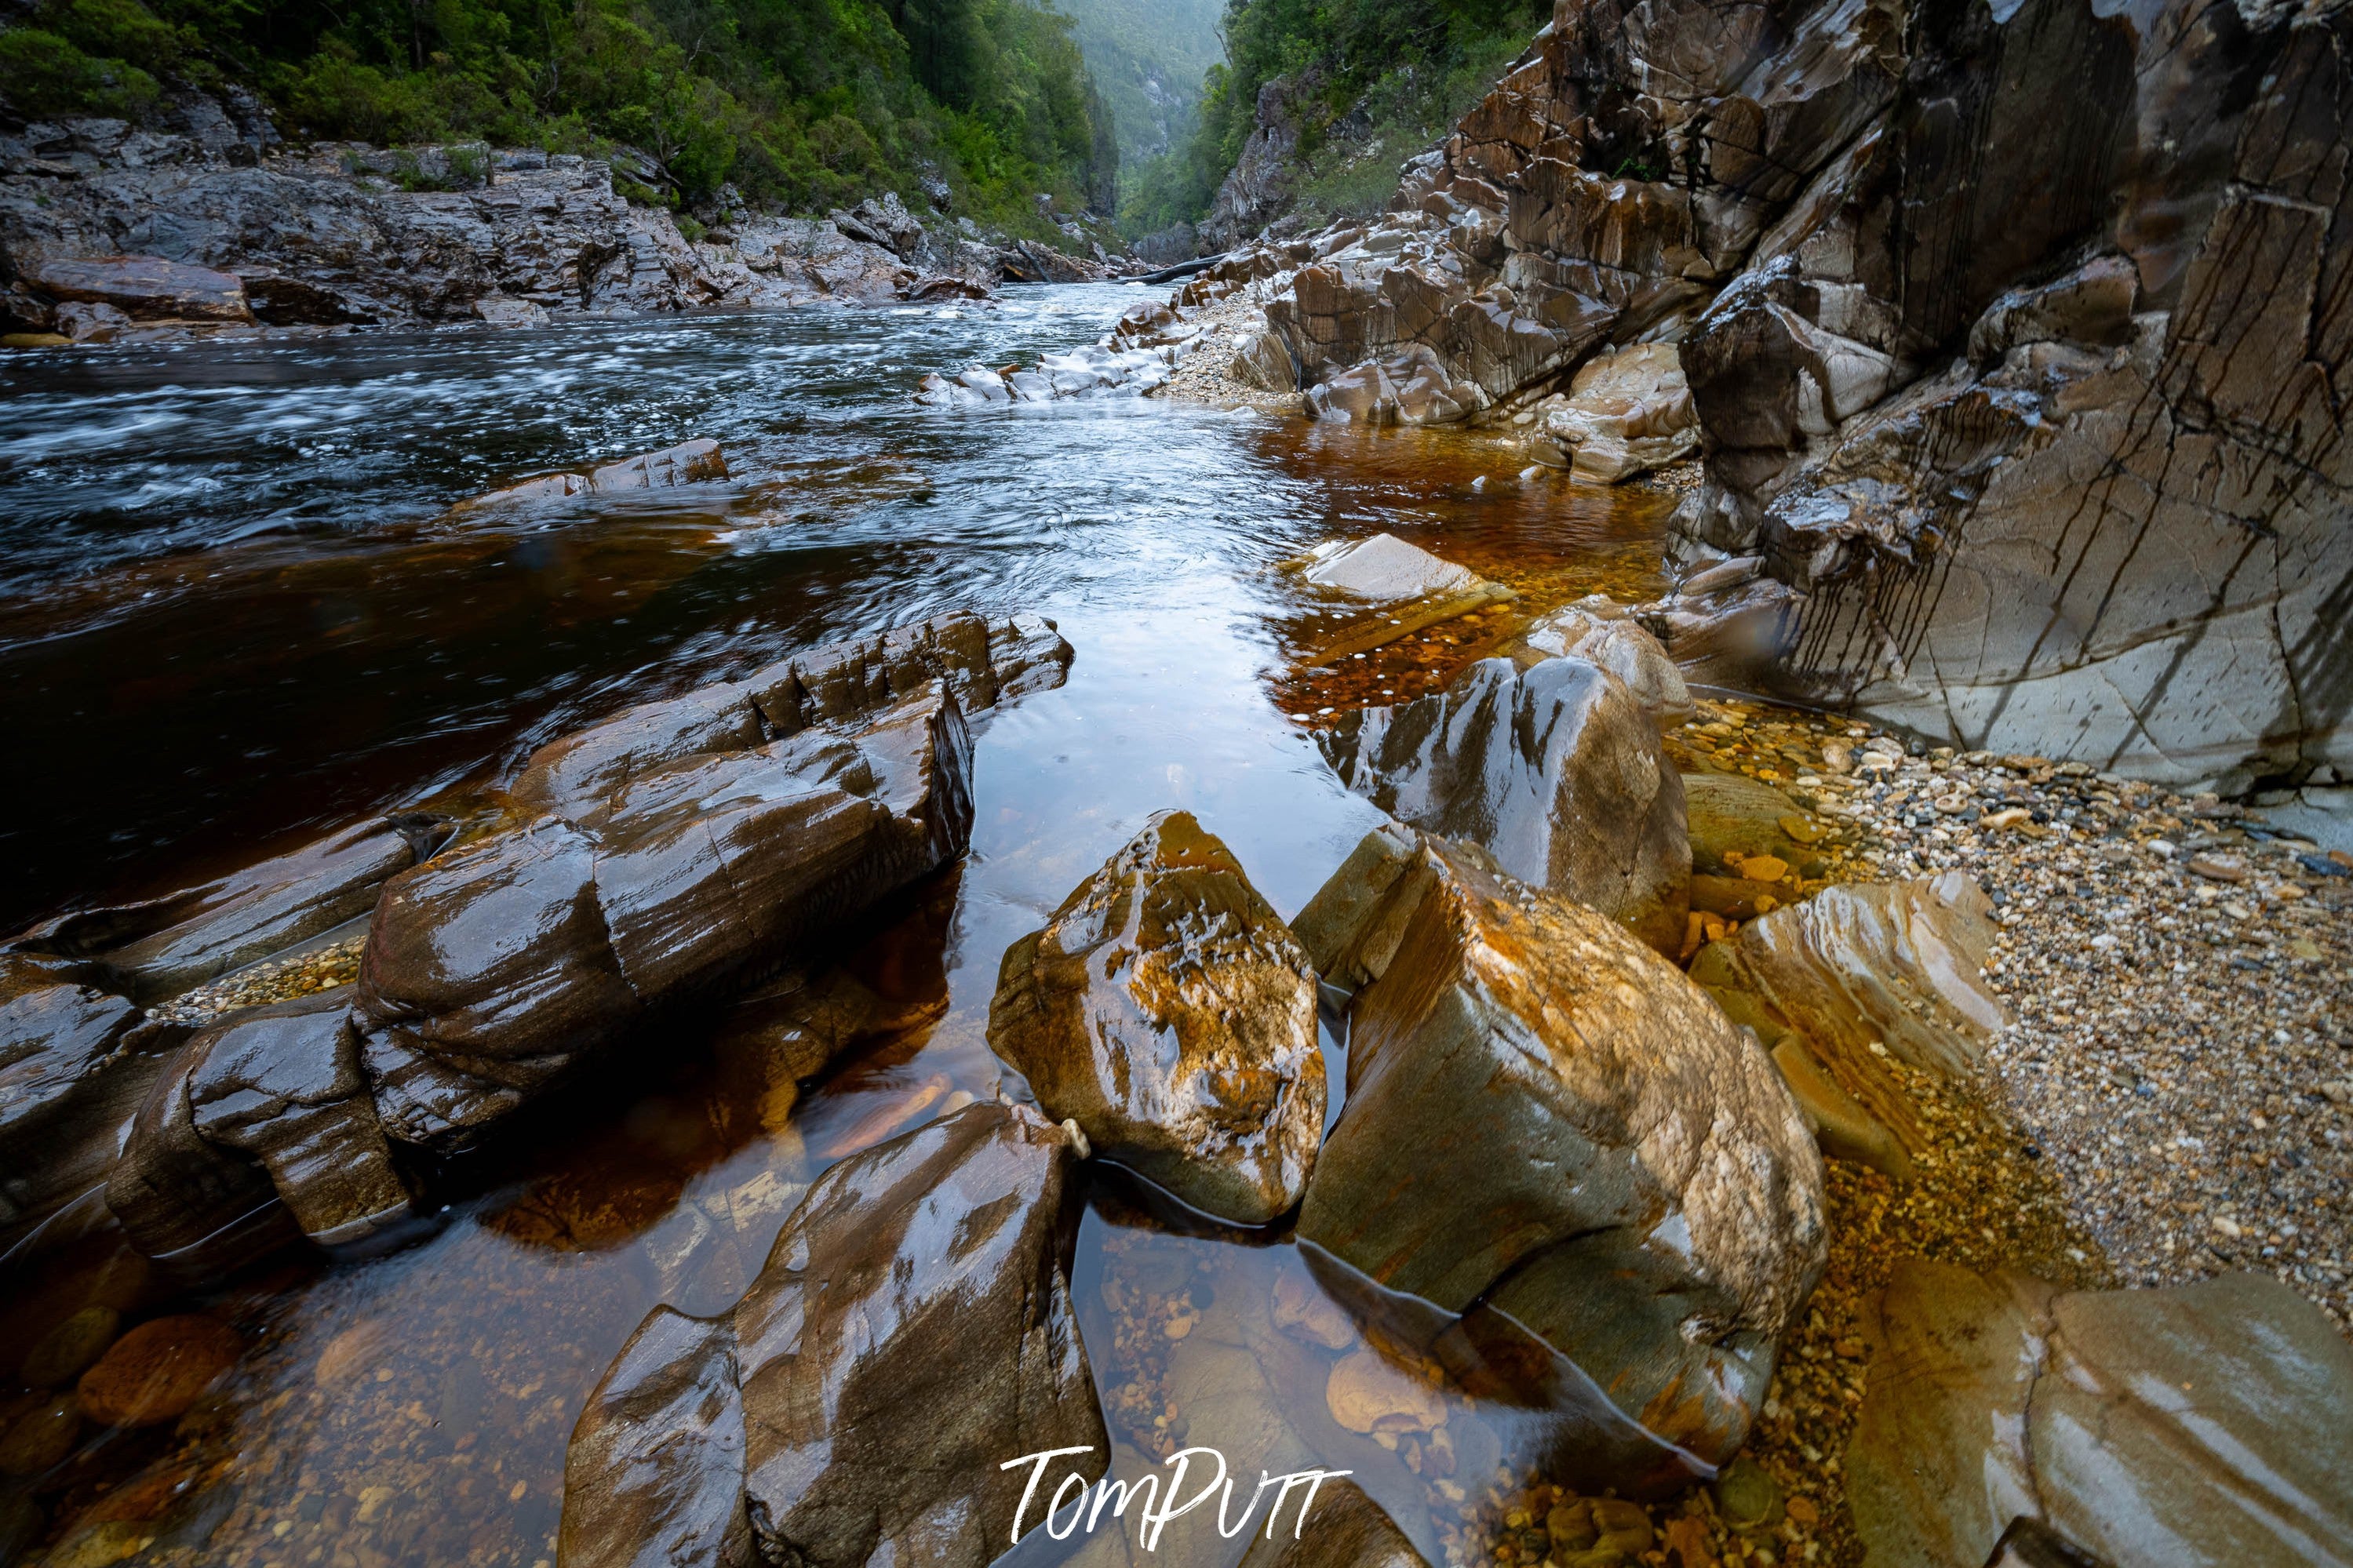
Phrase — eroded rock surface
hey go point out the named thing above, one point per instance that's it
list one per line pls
(1550, 1131)
(912, 1330)
(1168, 1010)
(2012, 333)
(160, 947)
(1600, 632)
(1839, 983)
(108, 229)
(75, 1064)
(2200, 1425)
(1556, 771)
(1627, 411)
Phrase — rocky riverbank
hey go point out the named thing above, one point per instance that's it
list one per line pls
(109, 232)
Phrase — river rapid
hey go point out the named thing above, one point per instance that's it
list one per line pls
(234, 611)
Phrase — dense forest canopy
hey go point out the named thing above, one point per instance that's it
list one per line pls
(1383, 78)
(801, 104)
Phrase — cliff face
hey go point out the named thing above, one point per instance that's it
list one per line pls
(2018, 333)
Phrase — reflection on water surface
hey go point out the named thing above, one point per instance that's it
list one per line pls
(233, 611)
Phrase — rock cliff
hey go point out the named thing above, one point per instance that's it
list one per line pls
(2015, 334)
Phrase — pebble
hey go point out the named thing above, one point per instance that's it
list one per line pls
(155, 1373)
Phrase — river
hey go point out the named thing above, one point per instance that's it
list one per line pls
(234, 610)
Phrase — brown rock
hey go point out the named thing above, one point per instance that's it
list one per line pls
(67, 1350)
(163, 946)
(1555, 771)
(1617, 645)
(1732, 819)
(41, 1438)
(157, 1370)
(76, 1063)
(861, 1317)
(655, 1469)
(1551, 1133)
(1168, 1011)
(2198, 1423)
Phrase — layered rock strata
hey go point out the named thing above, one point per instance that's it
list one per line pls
(1557, 1142)
(2012, 332)
(911, 1330)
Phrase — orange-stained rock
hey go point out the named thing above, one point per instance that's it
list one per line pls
(1168, 1010)
(1555, 1140)
(156, 1372)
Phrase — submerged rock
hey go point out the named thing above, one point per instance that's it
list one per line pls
(2200, 1425)
(1168, 1011)
(911, 1330)
(1384, 567)
(1343, 1528)
(156, 1372)
(1556, 771)
(1550, 1133)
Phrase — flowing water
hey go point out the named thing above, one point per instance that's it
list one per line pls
(234, 611)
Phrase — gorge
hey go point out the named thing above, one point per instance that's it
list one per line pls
(1645, 850)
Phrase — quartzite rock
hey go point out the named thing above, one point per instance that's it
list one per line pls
(1627, 411)
(1384, 567)
(1601, 633)
(1556, 771)
(912, 1330)
(1168, 1010)
(1551, 1131)
(146, 288)
(2196, 1427)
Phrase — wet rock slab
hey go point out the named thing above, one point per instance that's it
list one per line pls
(1504, 1040)
(1556, 771)
(912, 1330)
(1168, 1011)
(2196, 1425)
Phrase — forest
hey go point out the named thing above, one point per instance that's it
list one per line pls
(1380, 80)
(976, 106)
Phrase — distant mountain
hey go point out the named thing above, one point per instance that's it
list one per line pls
(1147, 58)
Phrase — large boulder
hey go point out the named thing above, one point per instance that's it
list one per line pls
(1554, 1140)
(2196, 1426)
(1168, 1010)
(911, 1332)
(148, 287)
(1556, 771)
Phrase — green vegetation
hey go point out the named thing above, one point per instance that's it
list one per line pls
(1148, 57)
(801, 104)
(1382, 79)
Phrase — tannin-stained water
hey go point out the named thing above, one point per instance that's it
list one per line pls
(233, 612)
